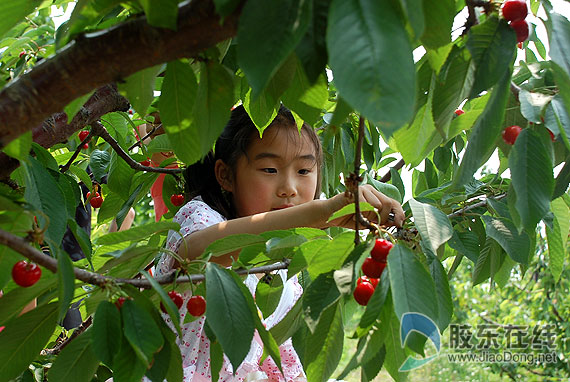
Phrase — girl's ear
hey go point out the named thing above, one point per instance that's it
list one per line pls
(223, 175)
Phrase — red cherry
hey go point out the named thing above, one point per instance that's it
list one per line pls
(120, 301)
(520, 45)
(510, 134)
(514, 10)
(96, 200)
(177, 199)
(145, 162)
(26, 274)
(1, 328)
(131, 111)
(176, 297)
(366, 279)
(458, 112)
(521, 29)
(363, 292)
(196, 305)
(381, 249)
(83, 134)
(373, 268)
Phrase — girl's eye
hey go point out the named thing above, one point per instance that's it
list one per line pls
(304, 171)
(269, 170)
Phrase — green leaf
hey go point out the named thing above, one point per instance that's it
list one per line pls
(141, 331)
(485, 132)
(120, 176)
(24, 338)
(285, 328)
(43, 192)
(557, 119)
(557, 237)
(517, 245)
(140, 85)
(361, 35)
(82, 238)
(492, 45)
(66, 284)
(224, 8)
(331, 256)
(232, 243)
(350, 209)
(213, 104)
(126, 365)
(532, 104)
(227, 313)
(432, 224)
(489, 261)
(268, 293)
(137, 233)
(304, 98)
(438, 18)
(160, 13)
(559, 41)
(76, 362)
(98, 163)
(167, 302)
(320, 294)
(466, 243)
(324, 346)
(107, 332)
(532, 178)
(444, 300)
(387, 189)
(14, 11)
(216, 359)
(395, 352)
(131, 262)
(412, 287)
(312, 49)
(271, 30)
(20, 147)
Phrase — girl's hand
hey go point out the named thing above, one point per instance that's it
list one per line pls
(366, 193)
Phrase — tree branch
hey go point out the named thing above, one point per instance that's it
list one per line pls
(55, 129)
(388, 175)
(26, 102)
(99, 130)
(21, 246)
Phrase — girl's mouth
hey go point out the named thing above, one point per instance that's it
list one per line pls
(282, 207)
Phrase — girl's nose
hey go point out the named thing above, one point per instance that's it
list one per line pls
(287, 188)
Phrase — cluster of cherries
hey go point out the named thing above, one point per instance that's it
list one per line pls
(372, 268)
(515, 11)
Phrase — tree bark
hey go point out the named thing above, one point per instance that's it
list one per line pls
(96, 59)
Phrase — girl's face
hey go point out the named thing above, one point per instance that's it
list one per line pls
(279, 171)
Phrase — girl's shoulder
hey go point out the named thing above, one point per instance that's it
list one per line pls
(197, 208)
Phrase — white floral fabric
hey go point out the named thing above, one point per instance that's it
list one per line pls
(194, 344)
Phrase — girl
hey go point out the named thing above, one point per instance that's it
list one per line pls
(252, 185)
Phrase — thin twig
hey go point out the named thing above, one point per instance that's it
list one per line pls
(83, 327)
(482, 203)
(63, 169)
(140, 141)
(99, 130)
(388, 175)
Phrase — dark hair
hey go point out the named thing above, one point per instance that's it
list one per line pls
(239, 132)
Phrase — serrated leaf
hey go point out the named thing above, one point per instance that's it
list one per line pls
(272, 30)
(312, 50)
(438, 20)
(160, 13)
(360, 35)
(137, 233)
(350, 210)
(142, 332)
(66, 287)
(227, 314)
(140, 86)
(166, 302)
(14, 11)
(43, 192)
(98, 163)
(268, 293)
(560, 40)
(320, 294)
(485, 132)
(532, 178)
(517, 245)
(76, 362)
(20, 147)
(331, 256)
(24, 338)
(120, 176)
(411, 284)
(432, 224)
(492, 45)
(106, 332)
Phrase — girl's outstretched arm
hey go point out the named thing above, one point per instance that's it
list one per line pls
(311, 214)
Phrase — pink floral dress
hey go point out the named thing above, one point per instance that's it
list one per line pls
(194, 344)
